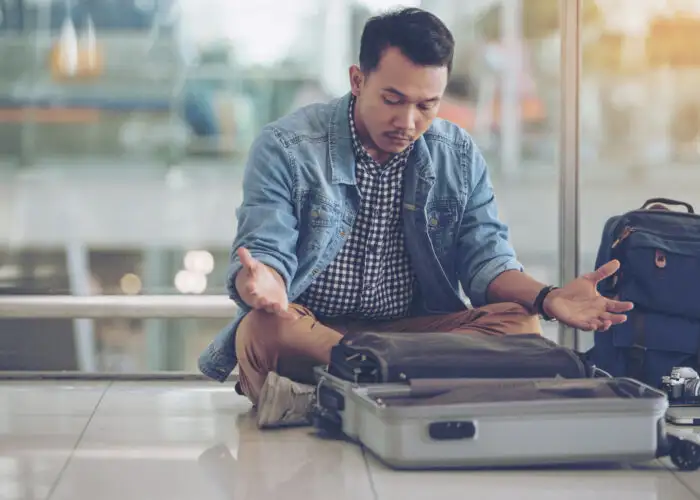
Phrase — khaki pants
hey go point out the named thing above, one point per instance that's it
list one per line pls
(265, 342)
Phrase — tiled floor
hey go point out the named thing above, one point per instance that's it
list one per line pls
(194, 440)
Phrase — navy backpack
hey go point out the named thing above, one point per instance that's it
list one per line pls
(659, 252)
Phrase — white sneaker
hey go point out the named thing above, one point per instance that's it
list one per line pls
(284, 403)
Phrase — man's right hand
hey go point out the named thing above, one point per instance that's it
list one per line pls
(262, 287)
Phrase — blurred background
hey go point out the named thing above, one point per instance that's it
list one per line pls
(125, 125)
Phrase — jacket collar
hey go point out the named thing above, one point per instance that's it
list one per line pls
(341, 155)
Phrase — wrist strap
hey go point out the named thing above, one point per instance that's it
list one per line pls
(538, 305)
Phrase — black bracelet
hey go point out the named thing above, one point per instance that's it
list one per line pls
(538, 305)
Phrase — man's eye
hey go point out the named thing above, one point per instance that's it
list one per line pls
(389, 101)
(427, 107)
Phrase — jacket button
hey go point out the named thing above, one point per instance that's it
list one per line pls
(342, 233)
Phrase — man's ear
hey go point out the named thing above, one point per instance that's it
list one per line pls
(357, 78)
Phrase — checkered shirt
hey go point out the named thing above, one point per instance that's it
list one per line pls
(371, 277)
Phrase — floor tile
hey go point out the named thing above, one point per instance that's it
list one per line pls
(176, 465)
(185, 429)
(157, 429)
(50, 398)
(193, 440)
(33, 452)
(169, 398)
(37, 432)
(199, 440)
(648, 482)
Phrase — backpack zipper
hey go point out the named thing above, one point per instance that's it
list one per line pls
(628, 230)
(625, 234)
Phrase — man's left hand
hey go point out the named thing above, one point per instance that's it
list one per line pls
(578, 304)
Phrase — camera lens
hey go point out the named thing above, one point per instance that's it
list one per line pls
(692, 387)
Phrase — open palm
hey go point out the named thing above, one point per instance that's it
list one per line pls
(578, 303)
(261, 287)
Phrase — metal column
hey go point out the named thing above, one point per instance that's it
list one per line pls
(155, 273)
(569, 157)
(511, 81)
(78, 264)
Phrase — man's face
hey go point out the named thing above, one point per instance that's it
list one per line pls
(397, 102)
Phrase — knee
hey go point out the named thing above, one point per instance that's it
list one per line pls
(516, 317)
(528, 320)
(256, 328)
(508, 308)
(518, 310)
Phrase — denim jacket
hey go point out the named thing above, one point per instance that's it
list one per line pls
(300, 200)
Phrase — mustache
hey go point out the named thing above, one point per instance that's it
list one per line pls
(400, 135)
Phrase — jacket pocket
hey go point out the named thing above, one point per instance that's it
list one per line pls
(319, 219)
(442, 220)
(660, 273)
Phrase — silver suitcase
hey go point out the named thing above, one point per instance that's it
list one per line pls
(485, 423)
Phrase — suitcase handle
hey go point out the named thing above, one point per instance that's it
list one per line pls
(668, 201)
(452, 430)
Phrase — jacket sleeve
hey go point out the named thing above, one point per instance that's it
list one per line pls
(484, 247)
(267, 225)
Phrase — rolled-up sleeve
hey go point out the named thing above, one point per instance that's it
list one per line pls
(267, 225)
(485, 250)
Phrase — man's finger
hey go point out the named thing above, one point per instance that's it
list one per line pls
(604, 271)
(280, 308)
(613, 319)
(247, 260)
(590, 325)
(605, 326)
(616, 306)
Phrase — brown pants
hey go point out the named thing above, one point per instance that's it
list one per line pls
(265, 342)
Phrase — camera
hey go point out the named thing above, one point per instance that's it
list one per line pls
(682, 387)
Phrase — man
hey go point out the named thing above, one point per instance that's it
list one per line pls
(369, 212)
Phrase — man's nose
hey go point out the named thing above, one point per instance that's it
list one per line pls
(406, 118)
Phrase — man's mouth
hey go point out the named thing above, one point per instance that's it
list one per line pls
(399, 138)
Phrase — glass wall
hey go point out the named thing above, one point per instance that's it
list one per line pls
(124, 127)
(640, 120)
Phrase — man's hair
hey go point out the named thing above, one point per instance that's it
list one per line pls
(420, 35)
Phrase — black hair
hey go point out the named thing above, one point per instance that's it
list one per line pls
(421, 36)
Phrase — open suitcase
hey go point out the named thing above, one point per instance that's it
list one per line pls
(478, 406)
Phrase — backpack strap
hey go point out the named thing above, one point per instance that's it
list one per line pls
(637, 353)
